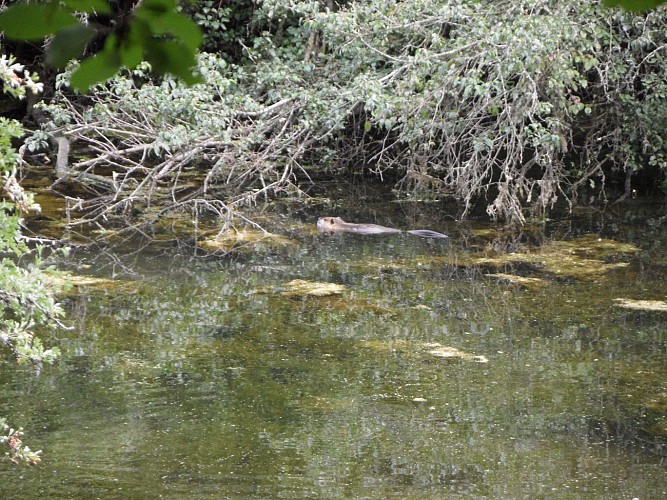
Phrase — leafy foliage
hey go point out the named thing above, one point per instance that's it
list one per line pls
(521, 104)
(27, 299)
(510, 100)
(154, 31)
(226, 26)
(18, 452)
(16, 79)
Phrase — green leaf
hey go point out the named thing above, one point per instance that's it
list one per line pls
(131, 54)
(181, 27)
(139, 32)
(96, 69)
(89, 6)
(634, 5)
(69, 43)
(169, 56)
(34, 21)
(131, 47)
(161, 18)
(153, 8)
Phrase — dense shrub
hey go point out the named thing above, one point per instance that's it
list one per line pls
(520, 103)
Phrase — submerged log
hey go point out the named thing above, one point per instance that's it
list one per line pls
(64, 172)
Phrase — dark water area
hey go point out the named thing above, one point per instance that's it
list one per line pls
(396, 367)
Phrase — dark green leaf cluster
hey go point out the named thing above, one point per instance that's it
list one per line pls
(154, 31)
(635, 5)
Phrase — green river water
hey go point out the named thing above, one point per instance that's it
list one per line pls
(221, 377)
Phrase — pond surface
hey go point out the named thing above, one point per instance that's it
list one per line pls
(427, 373)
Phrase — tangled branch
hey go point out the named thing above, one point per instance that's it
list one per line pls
(174, 149)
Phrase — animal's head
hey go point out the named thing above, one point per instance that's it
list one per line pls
(329, 224)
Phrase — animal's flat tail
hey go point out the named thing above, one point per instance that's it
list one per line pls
(427, 233)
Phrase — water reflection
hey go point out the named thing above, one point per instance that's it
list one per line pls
(207, 381)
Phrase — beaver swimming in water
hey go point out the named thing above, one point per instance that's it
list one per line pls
(333, 225)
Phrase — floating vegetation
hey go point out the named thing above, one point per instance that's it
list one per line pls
(404, 346)
(382, 265)
(642, 305)
(445, 352)
(391, 264)
(64, 281)
(584, 258)
(523, 281)
(302, 288)
(326, 404)
(390, 345)
(246, 239)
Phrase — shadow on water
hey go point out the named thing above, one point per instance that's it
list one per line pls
(428, 370)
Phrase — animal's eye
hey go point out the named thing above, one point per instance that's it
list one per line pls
(331, 222)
